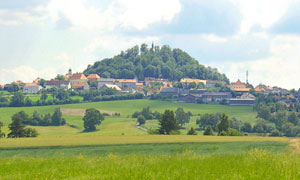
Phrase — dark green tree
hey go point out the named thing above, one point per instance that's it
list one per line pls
(92, 118)
(246, 127)
(57, 119)
(223, 124)
(42, 83)
(17, 128)
(44, 96)
(181, 116)
(192, 131)
(141, 120)
(1, 133)
(17, 100)
(168, 122)
(60, 77)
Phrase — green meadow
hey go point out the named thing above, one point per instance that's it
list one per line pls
(124, 124)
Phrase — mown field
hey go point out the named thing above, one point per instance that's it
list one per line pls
(124, 125)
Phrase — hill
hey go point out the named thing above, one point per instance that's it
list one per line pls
(164, 62)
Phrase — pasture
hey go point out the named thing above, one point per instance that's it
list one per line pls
(123, 125)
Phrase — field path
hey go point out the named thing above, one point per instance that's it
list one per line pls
(81, 112)
(294, 145)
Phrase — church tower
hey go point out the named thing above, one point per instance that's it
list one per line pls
(70, 73)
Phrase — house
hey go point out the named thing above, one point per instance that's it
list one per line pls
(189, 98)
(139, 90)
(126, 82)
(198, 91)
(238, 85)
(81, 86)
(246, 99)
(184, 91)
(259, 90)
(216, 96)
(153, 91)
(150, 81)
(112, 86)
(188, 80)
(78, 78)
(102, 81)
(59, 84)
(31, 89)
(169, 91)
(93, 77)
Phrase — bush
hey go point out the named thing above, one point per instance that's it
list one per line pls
(192, 132)
(208, 131)
(153, 131)
(222, 133)
(234, 132)
(30, 132)
(275, 132)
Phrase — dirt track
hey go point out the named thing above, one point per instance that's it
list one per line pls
(81, 112)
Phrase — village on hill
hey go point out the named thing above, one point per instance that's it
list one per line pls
(186, 90)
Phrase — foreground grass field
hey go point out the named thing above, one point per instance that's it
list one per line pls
(251, 165)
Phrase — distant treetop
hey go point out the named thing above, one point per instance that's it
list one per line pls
(159, 62)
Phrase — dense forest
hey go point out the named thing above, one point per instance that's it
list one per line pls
(159, 62)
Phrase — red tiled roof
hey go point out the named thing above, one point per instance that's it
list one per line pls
(82, 84)
(238, 83)
(93, 76)
(77, 76)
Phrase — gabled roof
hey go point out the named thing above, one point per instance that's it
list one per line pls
(81, 84)
(93, 76)
(78, 76)
(31, 85)
(169, 90)
(139, 84)
(238, 83)
(57, 82)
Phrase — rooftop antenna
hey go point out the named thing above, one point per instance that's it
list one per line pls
(247, 74)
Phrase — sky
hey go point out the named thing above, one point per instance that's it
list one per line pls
(42, 38)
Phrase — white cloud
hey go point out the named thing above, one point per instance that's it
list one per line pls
(18, 17)
(262, 12)
(138, 14)
(280, 69)
(214, 38)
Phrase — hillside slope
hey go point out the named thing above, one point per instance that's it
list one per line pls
(164, 62)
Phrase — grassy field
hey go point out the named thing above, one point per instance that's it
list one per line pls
(251, 165)
(124, 124)
(144, 148)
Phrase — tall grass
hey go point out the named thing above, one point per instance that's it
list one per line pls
(254, 165)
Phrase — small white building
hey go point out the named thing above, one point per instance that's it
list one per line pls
(103, 81)
(32, 89)
(82, 86)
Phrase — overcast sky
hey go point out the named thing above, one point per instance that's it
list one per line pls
(40, 38)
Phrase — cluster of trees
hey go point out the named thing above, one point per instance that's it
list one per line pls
(278, 120)
(42, 120)
(18, 129)
(158, 62)
(220, 123)
(147, 114)
(92, 118)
